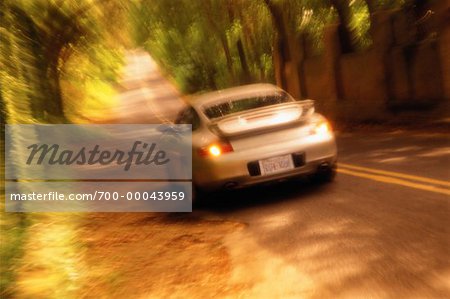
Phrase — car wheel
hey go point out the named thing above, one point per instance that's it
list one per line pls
(326, 175)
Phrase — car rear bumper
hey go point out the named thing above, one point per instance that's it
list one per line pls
(231, 170)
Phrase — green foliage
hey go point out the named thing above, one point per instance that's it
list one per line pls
(88, 81)
(38, 39)
(310, 20)
(19, 77)
(60, 59)
(197, 41)
(214, 44)
(12, 236)
(360, 24)
(56, 57)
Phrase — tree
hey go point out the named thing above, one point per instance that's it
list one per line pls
(46, 33)
(346, 30)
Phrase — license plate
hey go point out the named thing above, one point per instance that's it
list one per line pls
(276, 164)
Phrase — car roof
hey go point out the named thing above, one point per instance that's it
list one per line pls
(233, 93)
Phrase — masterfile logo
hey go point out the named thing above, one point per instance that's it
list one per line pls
(98, 168)
(98, 152)
(140, 153)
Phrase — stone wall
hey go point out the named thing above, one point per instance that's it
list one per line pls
(395, 74)
(363, 83)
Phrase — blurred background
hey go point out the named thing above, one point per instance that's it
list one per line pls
(61, 59)
(67, 61)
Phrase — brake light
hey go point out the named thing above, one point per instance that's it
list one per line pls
(215, 149)
(322, 128)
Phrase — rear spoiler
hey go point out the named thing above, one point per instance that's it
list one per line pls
(263, 119)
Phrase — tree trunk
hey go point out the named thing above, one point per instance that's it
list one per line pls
(243, 61)
(46, 64)
(223, 39)
(226, 50)
(55, 106)
(346, 34)
(371, 5)
(2, 113)
(280, 28)
(281, 55)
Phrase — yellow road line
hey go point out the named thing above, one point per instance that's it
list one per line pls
(396, 174)
(391, 180)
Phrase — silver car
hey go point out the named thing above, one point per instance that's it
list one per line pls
(255, 134)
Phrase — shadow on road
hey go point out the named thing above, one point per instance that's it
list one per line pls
(260, 195)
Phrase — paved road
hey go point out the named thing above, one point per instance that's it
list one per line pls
(381, 230)
(146, 96)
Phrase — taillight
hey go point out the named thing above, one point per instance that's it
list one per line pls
(322, 128)
(215, 149)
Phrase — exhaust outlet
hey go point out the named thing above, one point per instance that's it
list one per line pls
(325, 166)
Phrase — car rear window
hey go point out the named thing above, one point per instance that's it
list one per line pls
(238, 105)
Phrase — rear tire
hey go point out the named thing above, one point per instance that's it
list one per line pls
(325, 176)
